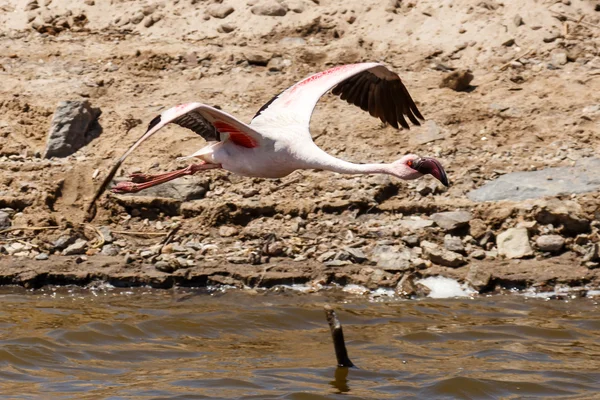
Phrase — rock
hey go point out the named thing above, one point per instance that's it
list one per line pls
(559, 58)
(109, 250)
(478, 277)
(430, 133)
(356, 255)
(327, 256)
(5, 221)
(278, 64)
(165, 266)
(219, 10)
(228, 231)
(411, 240)
(517, 20)
(390, 258)
(477, 254)
(106, 234)
(440, 256)
(63, 241)
(592, 253)
(550, 243)
(516, 186)
(408, 288)
(42, 257)
(415, 224)
(268, 7)
(451, 220)
(297, 6)
(73, 126)
(457, 80)
(514, 243)
(257, 57)
(226, 28)
(76, 248)
(32, 5)
(453, 243)
(565, 214)
(477, 228)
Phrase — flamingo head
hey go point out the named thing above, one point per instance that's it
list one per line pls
(412, 167)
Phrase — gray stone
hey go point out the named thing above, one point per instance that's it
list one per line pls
(450, 220)
(391, 258)
(4, 220)
(453, 243)
(478, 277)
(63, 241)
(269, 7)
(219, 10)
(441, 256)
(106, 234)
(581, 178)
(550, 243)
(73, 126)
(429, 133)
(109, 250)
(411, 240)
(514, 243)
(356, 255)
(42, 257)
(76, 248)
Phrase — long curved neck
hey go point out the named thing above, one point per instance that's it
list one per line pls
(319, 159)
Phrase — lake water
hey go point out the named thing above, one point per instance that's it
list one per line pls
(183, 344)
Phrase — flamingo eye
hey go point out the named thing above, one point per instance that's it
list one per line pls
(409, 163)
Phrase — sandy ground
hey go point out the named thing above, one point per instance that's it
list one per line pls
(533, 104)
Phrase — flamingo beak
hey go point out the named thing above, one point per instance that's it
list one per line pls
(429, 165)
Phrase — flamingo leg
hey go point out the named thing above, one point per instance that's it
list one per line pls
(144, 181)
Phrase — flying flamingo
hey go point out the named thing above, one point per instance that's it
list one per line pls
(277, 141)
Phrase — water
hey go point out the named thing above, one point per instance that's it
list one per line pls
(182, 344)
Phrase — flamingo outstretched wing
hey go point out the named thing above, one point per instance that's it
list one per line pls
(371, 86)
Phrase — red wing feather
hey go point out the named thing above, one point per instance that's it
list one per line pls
(235, 135)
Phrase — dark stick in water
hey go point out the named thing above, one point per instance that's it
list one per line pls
(337, 334)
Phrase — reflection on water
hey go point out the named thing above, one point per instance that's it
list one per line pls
(181, 344)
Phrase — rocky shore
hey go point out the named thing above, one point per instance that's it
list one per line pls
(511, 106)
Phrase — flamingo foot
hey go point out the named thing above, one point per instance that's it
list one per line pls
(126, 187)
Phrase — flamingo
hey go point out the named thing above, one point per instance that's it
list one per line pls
(278, 141)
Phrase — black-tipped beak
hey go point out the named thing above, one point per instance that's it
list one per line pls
(429, 165)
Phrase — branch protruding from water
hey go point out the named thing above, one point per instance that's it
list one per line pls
(337, 334)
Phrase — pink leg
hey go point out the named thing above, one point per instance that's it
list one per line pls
(144, 181)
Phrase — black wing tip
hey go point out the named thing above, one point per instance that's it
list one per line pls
(155, 121)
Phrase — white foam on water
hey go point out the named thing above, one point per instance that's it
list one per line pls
(442, 287)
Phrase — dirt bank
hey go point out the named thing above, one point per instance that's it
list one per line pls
(533, 104)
